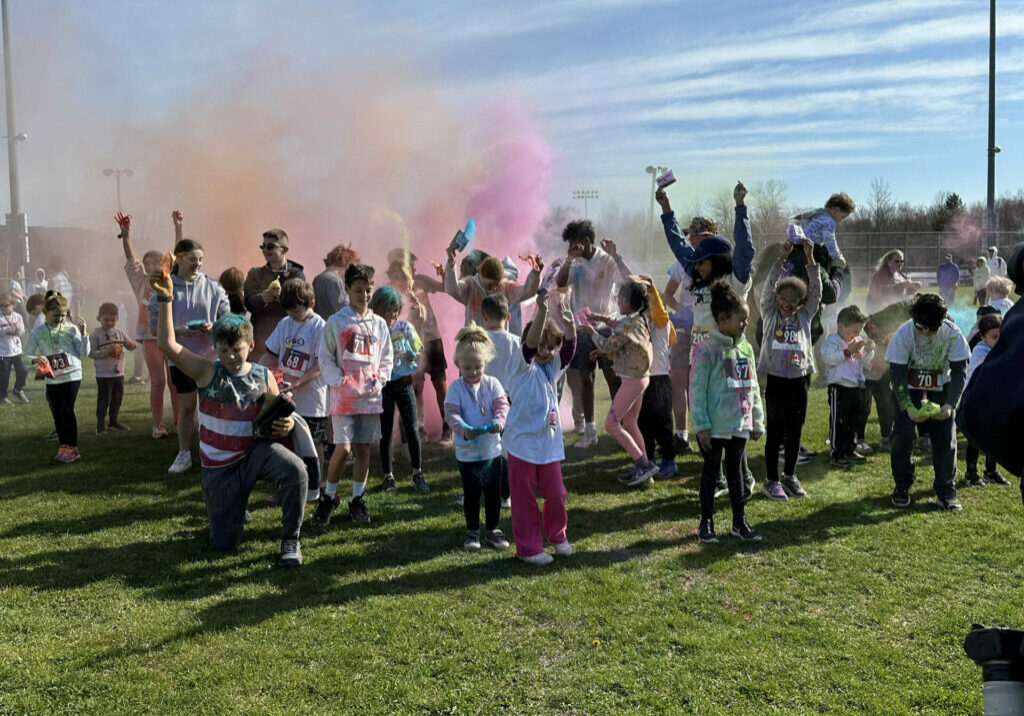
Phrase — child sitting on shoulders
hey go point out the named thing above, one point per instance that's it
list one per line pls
(58, 346)
(292, 348)
(928, 361)
(820, 225)
(476, 408)
(988, 335)
(788, 306)
(725, 405)
(845, 354)
(107, 344)
(533, 436)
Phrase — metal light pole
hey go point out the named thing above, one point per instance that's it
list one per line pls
(117, 174)
(17, 224)
(991, 220)
(585, 195)
(654, 171)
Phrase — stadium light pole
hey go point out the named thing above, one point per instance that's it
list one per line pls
(654, 171)
(118, 173)
(17, 223)
(993, 150)
(585, 195)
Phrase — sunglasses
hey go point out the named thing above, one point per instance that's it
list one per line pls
(269, 247)
(898, 261)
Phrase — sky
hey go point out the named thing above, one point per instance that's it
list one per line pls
(519, 104)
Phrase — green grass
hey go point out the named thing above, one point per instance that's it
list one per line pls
(111, 601)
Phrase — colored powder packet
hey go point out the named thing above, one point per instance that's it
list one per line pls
(929, 409)
(470, 230)
(666, 179)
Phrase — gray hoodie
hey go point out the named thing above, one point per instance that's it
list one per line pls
(202, 299)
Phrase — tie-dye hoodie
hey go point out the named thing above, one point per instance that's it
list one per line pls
(724, 396)
(355, 359)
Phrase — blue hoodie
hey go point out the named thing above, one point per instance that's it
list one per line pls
(202, 299)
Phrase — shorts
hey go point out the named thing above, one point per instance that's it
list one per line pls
(182, 383)
(317, 429)
(679, 356)
(432, 359)
(584, 345)
(358, 429)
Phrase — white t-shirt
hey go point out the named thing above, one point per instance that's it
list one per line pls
(296, 344)
(529, 434)
(660, 351)
(1003, 304)
(682, 317)
(927, 357)
(508, 352)
(593, 283)
(11, 329)
(703, 321)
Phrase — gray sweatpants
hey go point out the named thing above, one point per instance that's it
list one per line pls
(226, 491)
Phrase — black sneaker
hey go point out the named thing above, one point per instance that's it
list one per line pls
(996, 477)
(389, 483)
(681, 445)
(420, 483)
(324, 507)
(357, 511)
(806, 451)
(842, 461)
(291, 554)
(706, 532)
(857, 458)
(950, 503)
(973, 479)
(901, 498)
(745, 532)
(495, 539)
(52, 435)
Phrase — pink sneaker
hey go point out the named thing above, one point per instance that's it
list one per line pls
(73, 454)
(64, 454)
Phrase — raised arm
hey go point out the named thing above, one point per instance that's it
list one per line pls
(681, 249)
(124, 223)
(196, 367)
(532, 339)
(454, 287)
(767, 302)
(612, 250)
(813, 302)
(743, 244)
(179, 230)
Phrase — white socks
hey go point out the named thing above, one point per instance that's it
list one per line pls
(331, 489)
(357, 489)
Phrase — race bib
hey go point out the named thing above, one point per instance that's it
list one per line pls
(786, 338)
(738, 374)
(295, 361)
(357, 347)
(923, 379)
(59, 362)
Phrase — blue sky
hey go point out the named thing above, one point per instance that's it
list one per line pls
(824, 96)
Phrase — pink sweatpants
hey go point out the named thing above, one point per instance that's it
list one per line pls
(621, 423)
(525, 480)
(159, 377)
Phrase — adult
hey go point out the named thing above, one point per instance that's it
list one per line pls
(329, 294)
(62, 284)
(591, 275)
(980, 275)
(889, 284)
(947, 276)
(198, 301)
(40, 285)
(996, 263)
(262, 299)
(138, 273)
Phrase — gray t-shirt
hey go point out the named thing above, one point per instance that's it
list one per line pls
(927, 357)
(330, 295)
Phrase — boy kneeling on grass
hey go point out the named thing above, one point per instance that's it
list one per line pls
(232, 392)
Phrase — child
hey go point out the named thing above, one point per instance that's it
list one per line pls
(979, 277)
(476, 408)
(198, 302)
(232, 280)
(928, 360)
(292, 348)
(880, 328)
(356, 358)
(820, 225)
(788, 306)
(725, 406)
(34, 307)
(998, 289)
(12, 328)
(845, 354)
(489, 278)
(533, 436)
(988, 335)
(387, 303)
(60, 345)
(629, 348)
(107, 344)
(232, 392)
(508, 348)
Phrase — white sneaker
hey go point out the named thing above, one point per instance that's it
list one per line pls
(588, 440)
(506, 503)
(563, 549)
(182, 462)
(579, 426)
(539, 559)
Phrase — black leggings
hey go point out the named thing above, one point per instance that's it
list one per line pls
(398, 393)
(972, 459)
(20, 374)
(481, 477)
(655, 420)
(109, 394)
(61, 397)
(785, 401)
(733, 449)
(881, 391)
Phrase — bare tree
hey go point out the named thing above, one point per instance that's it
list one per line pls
(721, 208)
(768, 214)
(881, 206)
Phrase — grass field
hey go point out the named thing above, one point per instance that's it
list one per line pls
(111, 601)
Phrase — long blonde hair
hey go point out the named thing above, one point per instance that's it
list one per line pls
(886, 258)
